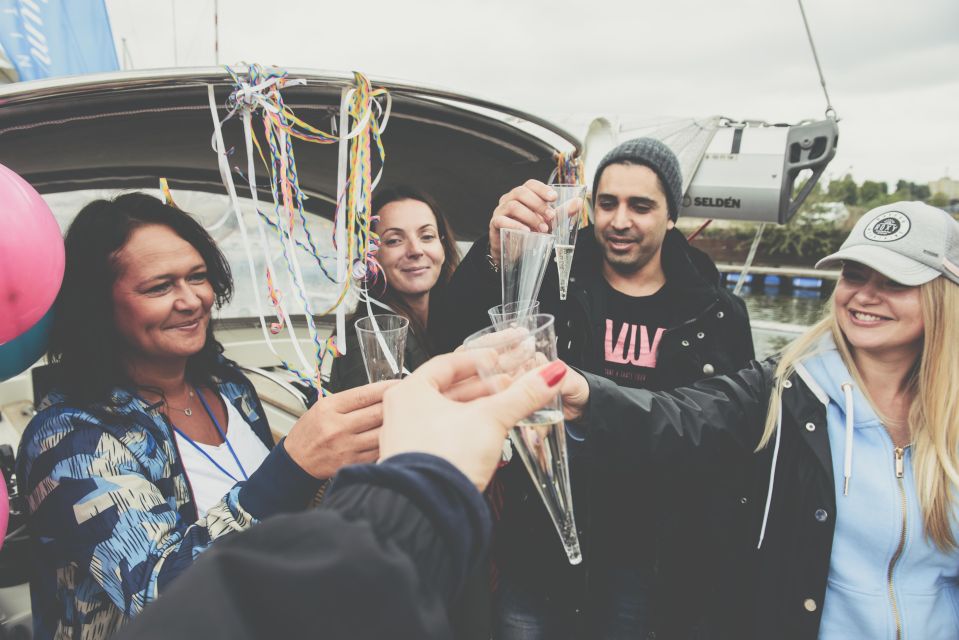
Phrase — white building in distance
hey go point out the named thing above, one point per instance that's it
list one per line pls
(946, 186)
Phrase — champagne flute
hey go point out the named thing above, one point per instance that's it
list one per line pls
(524, 256)
(568, 208)
(540, 438)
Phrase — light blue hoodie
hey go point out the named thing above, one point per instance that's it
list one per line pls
(871, 542)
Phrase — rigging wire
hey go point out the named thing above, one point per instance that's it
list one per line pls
(749, 259)
(216, 32)
(830, 113)
(830, 110)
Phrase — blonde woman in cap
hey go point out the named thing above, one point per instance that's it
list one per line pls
(849, 523)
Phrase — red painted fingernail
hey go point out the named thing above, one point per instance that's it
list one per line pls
(553, 373)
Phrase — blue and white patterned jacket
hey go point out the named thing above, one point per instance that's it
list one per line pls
(112, 518)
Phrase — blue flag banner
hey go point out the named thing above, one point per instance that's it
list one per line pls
(44, 38)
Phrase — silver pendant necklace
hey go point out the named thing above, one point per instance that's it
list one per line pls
(187, 411)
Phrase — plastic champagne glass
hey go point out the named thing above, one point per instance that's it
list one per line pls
(502, 315)
(540, 438)
(568, 207)
(382, 341)
(523, 259)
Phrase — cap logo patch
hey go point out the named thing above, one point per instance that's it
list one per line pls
(889, 226)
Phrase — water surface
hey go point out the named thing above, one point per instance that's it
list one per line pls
(800, 307)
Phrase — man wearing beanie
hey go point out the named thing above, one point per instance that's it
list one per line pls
(645, 310)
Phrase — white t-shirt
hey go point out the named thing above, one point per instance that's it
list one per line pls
(210, 484)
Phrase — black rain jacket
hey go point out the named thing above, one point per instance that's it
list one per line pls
(775, 591)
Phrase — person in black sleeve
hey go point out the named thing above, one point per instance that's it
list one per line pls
(644, 310)
(391, 545)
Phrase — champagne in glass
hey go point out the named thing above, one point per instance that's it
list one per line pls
(540, 441)
(540, 438)
(568, 208)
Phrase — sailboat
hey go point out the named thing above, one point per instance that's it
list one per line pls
(78, 138)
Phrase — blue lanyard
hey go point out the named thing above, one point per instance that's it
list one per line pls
(222, 435)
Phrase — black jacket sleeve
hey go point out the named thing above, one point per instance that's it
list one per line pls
(382, 558)
(348, 371)
(461, 308)
(637, 426)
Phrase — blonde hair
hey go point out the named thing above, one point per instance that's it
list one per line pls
(933, 414)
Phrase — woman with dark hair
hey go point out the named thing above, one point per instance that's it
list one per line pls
(418, 256)
(152, 445)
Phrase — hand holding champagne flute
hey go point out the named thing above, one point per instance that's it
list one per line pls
(539, 438)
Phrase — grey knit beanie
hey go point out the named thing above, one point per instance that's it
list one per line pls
(657, 156)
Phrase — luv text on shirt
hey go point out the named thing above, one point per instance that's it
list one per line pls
(631, 351)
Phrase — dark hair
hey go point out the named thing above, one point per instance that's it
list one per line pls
(84, 341)
(447, 239)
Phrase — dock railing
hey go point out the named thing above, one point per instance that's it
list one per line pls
(795, 272)
(785, 278)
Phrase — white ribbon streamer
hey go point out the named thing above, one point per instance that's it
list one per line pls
(227, 178)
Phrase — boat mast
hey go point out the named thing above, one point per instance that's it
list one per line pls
(176, 61)
(216, 32)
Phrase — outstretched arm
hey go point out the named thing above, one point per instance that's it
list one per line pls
(381, 558)
(632, 425)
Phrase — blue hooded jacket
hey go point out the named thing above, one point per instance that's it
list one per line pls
(885, 574)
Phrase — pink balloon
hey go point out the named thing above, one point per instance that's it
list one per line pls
(31, 256)
(4, 509)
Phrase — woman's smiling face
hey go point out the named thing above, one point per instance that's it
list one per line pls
(410, 253)
(877, 314)
(161, 296)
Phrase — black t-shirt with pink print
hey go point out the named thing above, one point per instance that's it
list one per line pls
(631, 331)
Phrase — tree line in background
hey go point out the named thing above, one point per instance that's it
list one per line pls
(819, 227)
(872, 194)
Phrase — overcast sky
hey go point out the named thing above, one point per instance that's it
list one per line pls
(890, 66)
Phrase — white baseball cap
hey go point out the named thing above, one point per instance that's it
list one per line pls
(908, 242)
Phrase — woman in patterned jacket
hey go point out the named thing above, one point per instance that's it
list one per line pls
(153, 445)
